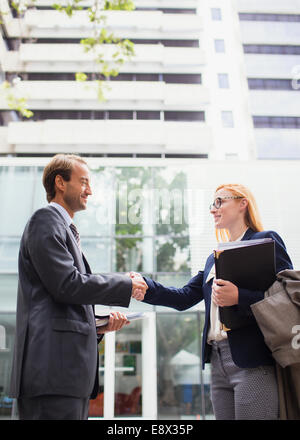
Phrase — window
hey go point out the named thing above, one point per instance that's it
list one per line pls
(184, 116)
(180, 78)
(120, 114)
(270, 84)
(276, 122)
(180, 394)
(216, 14)
(168, 43)
(122, 77)
(223, 80)
(269, 17)
(219, 46)
(41, 115)
(272, 49)
(147, 77)
(169, 10)
(227, 119)
(154, 115)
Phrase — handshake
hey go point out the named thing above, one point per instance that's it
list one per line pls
(139, 286)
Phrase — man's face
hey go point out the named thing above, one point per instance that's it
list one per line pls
(78, 188)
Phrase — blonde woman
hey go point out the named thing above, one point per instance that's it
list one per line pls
(243, 377)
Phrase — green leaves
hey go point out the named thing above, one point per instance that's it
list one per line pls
(106, 65)
(72, 6)
(15, 102)
(80, 77)
(123, 5)
(124, 49)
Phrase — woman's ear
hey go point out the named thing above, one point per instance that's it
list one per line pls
(244, 203)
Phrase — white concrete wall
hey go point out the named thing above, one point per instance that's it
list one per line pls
(277, 143)
(270, 32)
(239, 140)
(271, 66)
(269, 6)
(275, 103)
(110, 136)
(72, 58)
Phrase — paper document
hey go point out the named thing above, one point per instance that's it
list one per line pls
(135, 315)
(103, 320)
(242, 243)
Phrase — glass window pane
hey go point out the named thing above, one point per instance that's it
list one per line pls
(220, 46)
(96, 406)
(178, 279)
(9, 250)
(128, 371)
(181, 78)
(8, 292)
(170, 203)
(223, 80)
(39, 193)
(99, 217)
(227, 119)
(184, 116)
(172, 254)
(216, 14)
(16, 182)
(150, 114)
(132, 254)
(98, 253)
(180, 392)
(7, 336)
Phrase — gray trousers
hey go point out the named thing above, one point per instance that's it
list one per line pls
(241, 393)
(53, 407)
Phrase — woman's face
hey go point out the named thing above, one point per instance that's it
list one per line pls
(230, 212)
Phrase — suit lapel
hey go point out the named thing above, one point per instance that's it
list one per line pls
(209, 264)
(87, 266)
(70, 233)
(248, 234)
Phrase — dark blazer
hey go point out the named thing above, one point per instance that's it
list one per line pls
(56, 341)
(247, 344)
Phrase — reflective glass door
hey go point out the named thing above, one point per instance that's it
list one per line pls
(127, 372)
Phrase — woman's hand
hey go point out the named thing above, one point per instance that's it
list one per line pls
(224, 293)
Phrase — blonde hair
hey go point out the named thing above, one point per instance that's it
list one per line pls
(252, 216)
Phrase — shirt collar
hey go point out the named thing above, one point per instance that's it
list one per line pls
(63, 212)
(241, 237)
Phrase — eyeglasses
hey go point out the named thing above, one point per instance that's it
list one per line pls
(219, 200)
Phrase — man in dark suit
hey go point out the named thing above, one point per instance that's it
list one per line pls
(55, 364)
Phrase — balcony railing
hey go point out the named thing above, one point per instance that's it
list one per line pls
(118, 95)
(109, 136)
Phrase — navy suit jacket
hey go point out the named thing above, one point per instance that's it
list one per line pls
(247, 344)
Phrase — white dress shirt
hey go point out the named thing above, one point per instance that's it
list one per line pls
(63, 211)
(215, 332)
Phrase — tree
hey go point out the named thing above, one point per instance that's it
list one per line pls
(123, 48)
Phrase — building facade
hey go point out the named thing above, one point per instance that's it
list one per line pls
(210, 96)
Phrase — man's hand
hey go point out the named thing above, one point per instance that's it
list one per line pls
(116, 321)
(139, 286)
(224, 293)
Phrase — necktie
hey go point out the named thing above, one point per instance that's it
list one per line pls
(75, 233)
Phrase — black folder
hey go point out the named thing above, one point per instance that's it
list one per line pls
(247, 264)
